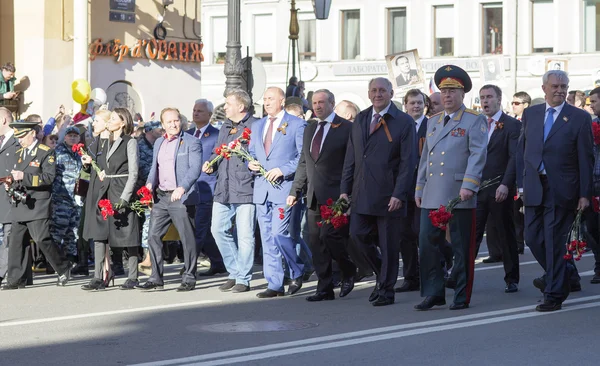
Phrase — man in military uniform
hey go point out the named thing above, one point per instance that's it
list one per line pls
(451, 165)
(33, 174)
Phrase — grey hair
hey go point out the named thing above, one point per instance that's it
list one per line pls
(386, 81)
(560, 75)
(330, 95)
(242, 97)
(207, 103)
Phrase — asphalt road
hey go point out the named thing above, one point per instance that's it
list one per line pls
(47, 325)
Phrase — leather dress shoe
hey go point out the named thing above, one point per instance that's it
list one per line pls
(95, 284)
(295, 286)
(307, 275)
(347, 287)
(268, 293)
(408, 286)
(129, 284)
(429, 302)
(548, 306)
(149, 285)
(511, 287)
(212, 271)
(320, 296)
(375, 294)
(227, 286)
(186, 286)
(492, 260)
(539, 283)
(240, 288)
(64, 278)
(13, 286)
(382, 301)
(455, 306)
(594, 280)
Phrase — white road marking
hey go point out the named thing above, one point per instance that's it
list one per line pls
(422, 327)
(106, 313)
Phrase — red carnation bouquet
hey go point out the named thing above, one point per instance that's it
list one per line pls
(106, 208)
(144, 202)
(225, 150)
(334, 213)
(576, 244)
(596, 132)
(281, 213)
(80, 150)
(596, 204)
(441, 217)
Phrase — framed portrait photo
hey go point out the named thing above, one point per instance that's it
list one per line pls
(404, 70)
(557, 64)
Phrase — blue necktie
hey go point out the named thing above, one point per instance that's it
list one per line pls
(547, 128)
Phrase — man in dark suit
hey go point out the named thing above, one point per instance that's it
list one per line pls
(33, 173)
(406, 75)
(554, 164)
(591, 215)
(496, 202)
(414, 104)
(320, 170)
(176, 166)
(202, 197)
(378, 173)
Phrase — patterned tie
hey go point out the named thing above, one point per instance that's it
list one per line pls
(374, 123)
(315, 148)
(269, 136)
(490, 121)
(446, 119)
(197, 134)
(547, 127)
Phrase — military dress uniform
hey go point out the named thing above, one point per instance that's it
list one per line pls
(32, 215)
(453, 158)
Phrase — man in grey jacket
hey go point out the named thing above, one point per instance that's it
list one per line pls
(233, 198)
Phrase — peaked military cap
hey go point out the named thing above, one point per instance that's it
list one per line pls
(452, 76)
(21, 128)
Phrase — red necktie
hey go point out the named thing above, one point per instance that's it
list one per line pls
(490, 121)
(269, 136)
(315, 148)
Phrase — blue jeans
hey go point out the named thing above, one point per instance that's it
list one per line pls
(238, 257)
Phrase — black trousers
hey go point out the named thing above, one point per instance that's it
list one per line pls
(370, 232)
(500, 213)
(164, 212)
(409, 243)
(492, 238)
(19, 252)
(327, 243)
(593, 230)
(519, 220)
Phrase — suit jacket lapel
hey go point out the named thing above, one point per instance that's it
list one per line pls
(332, 132)
(449, 126)
(261, 128)
(561, 120)
(113, 148)
(10, 142)
(309, 131)
(27, 156)
(278, 134)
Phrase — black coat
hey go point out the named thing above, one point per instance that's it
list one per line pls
(7, 163)
(501, 152)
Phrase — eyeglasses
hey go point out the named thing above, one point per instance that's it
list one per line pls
(517, 103)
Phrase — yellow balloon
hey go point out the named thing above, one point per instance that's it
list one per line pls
(81, 91)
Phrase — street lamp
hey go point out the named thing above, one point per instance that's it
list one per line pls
(321, 8)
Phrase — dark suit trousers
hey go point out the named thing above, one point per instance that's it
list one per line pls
(327, 243)
(19, 252)
(593, 230)
(388, 233)
(501, 215)
(462, 237)
(492, 239)
(409, 243)
(204, 239)
(546, 230)
(164, 212)
(519, 219)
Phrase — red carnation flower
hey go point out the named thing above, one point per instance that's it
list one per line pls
(596, 132)
(106, 208)
(329, 202)
(78, 148)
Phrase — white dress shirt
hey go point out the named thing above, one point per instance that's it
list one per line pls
(492, 127)
(276, 124)
(418, 122)
(326, 128)
(384, 111)
(202, 130)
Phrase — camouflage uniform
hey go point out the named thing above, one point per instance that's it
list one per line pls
(145, 150)
(66, 207)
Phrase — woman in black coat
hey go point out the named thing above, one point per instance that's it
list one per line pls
(117, 157)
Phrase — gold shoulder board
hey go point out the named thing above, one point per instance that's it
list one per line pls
(471, 111)
(44, 147)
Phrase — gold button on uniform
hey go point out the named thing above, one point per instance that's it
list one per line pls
(442, 163)
(430, 174)
(443, 152)
(441, 174)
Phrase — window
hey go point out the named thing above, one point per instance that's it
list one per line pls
(444, 30)
(307, 38)
(350, 34)
(263, 37)
(542, 35)
(219, 39)
(591, 20)
(492, 28)
(396, 30)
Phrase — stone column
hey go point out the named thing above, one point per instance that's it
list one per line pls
(234, 69)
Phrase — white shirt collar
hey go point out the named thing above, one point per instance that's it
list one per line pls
(496, 117)
(9, 134)
(32, 146)
(420, 120)
(558, 109)
(329, 118)
(203, 129)
(383, 112)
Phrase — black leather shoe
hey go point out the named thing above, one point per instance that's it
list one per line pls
(307, 275)
(129, 284)
(295, 286)
(13, 286)
(450, 283)
(382, 301)
(511, 287)
(149, 285)
(320, 296)
(212, 271)
(408, 286)
(268, 293)
(240, 288)
(548, 306)
(594, 280)
(492, 260)
(375, 294)
(64, 278)
(539, 283)
(575, 287)
(227, 286)
(347, 287)
(186, 286)
(94, 284)
(429, 302)
(459, 306)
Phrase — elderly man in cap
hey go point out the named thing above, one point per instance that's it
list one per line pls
(451, 165)
(33, 175)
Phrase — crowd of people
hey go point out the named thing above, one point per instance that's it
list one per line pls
(394, 169)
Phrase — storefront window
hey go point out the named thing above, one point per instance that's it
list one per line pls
(263, 37)
(219, 39)
(542, 35)
(492, 28)
(592, 25)
(307, 38)
(350, 34)
(444, 30)
(396, 30)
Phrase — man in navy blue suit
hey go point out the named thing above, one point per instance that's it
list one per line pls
(554, 163)
(205, 186)
(276, 143)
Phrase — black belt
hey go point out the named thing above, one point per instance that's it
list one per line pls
(160, 191)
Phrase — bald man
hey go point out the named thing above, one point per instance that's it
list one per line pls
(436, 104)
(347, 110)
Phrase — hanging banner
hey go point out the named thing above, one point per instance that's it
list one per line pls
(148, 49)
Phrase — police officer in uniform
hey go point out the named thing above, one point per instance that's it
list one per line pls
(33, 172)
(451, 165)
